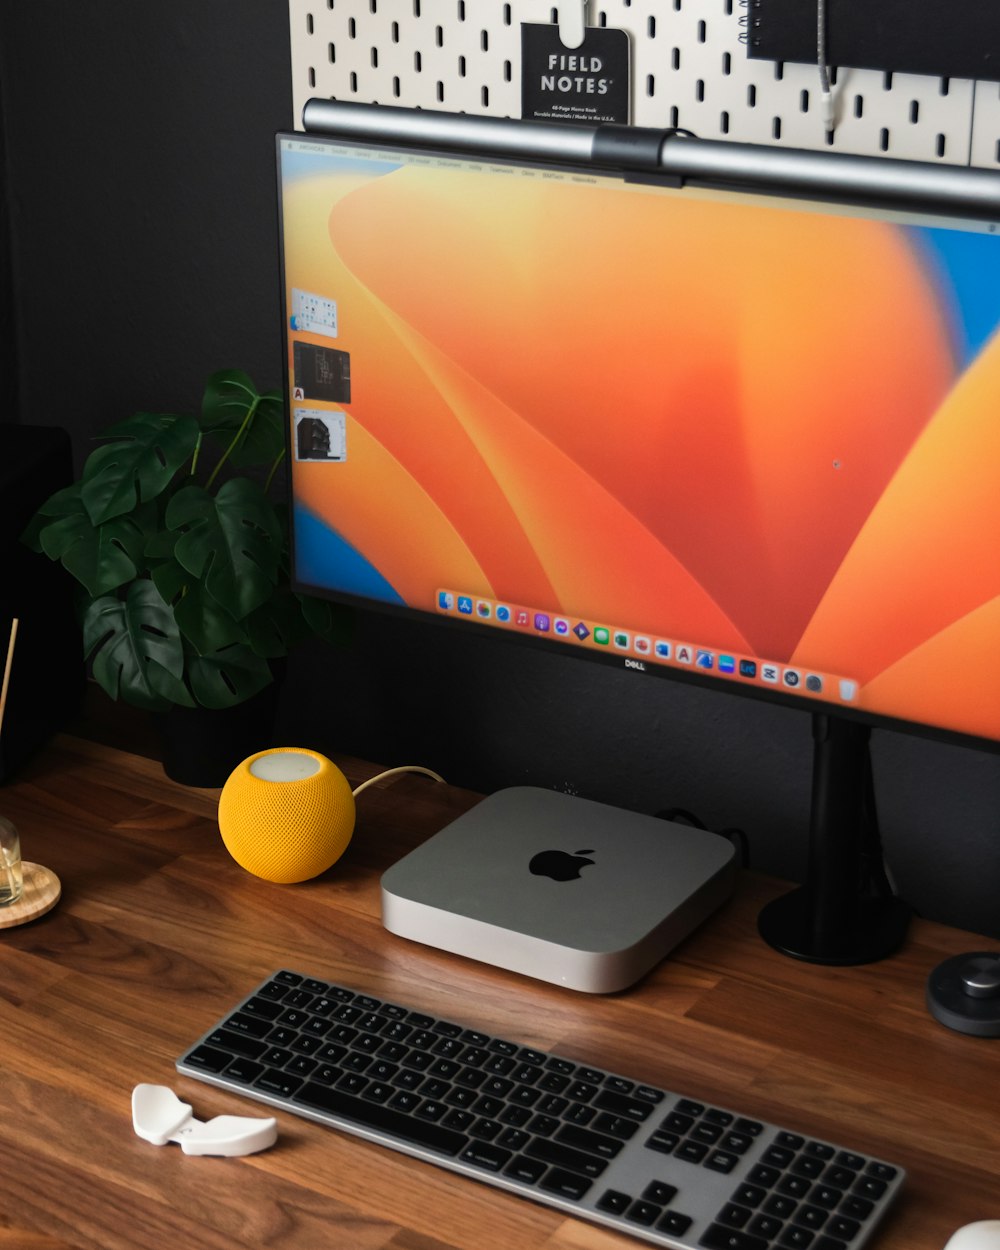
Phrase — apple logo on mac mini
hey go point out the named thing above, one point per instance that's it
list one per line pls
(559, 865)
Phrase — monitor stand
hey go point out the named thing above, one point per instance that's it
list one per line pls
(844, 913)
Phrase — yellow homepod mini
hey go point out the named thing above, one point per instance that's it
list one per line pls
(286, 814)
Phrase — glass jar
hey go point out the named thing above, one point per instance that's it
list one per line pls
(11, 873)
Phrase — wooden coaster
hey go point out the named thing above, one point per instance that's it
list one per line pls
(41, 893)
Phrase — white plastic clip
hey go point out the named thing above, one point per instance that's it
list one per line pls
(572, 22)
(159, 1116)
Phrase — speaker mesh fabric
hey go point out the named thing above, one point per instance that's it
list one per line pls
(287, 831)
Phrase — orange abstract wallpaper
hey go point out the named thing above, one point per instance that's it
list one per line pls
(766, 431)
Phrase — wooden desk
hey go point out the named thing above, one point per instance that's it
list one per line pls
(159, 931)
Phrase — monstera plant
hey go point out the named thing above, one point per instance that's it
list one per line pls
(181, 554)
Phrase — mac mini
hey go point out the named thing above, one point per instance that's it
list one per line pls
(559, 888)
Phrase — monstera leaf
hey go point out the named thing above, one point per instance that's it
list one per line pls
(232, 406)
(230, 540)
(140, 464)
(203, 623)
(136, 648)
(228, 676)
(100, 557)
(277, 625)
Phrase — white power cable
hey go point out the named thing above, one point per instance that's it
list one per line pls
(826, 93)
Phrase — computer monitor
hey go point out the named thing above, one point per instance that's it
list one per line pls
(713, 413)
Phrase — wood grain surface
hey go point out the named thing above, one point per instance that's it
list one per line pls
(159, 931)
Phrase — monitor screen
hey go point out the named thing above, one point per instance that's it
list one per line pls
(715, 435)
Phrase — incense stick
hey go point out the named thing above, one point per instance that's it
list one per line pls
(6, 670)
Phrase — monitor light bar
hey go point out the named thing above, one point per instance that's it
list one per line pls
(674, 155)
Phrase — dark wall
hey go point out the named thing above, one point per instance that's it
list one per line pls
(139, 144)
(139, 149)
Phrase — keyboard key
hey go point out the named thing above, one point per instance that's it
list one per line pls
(616, 1126)
(381, 1118)
(565, 1184)
(585, 1139)
(244, 1070)
(722, 1161)
(208, 1059)
(645, 1213)
(675, 1223)
(526, 1170)
(634, 1108)
(249, 1026)
(238, 1043)
(485, 1155)
(718, 1237)
(659, 1192)
(263, 1007)
(271, 1081)
(565, 1157)
(614, 1201)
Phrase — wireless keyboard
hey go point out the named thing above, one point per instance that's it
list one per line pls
(666, 1168)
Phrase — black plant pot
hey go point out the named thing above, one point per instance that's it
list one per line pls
(201, 746)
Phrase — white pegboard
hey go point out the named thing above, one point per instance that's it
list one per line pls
(690, 69)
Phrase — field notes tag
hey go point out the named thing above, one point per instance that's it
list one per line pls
(585, 84)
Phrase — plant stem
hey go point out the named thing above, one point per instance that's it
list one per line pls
(195, 454)
(274, 469)
(244, 426)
